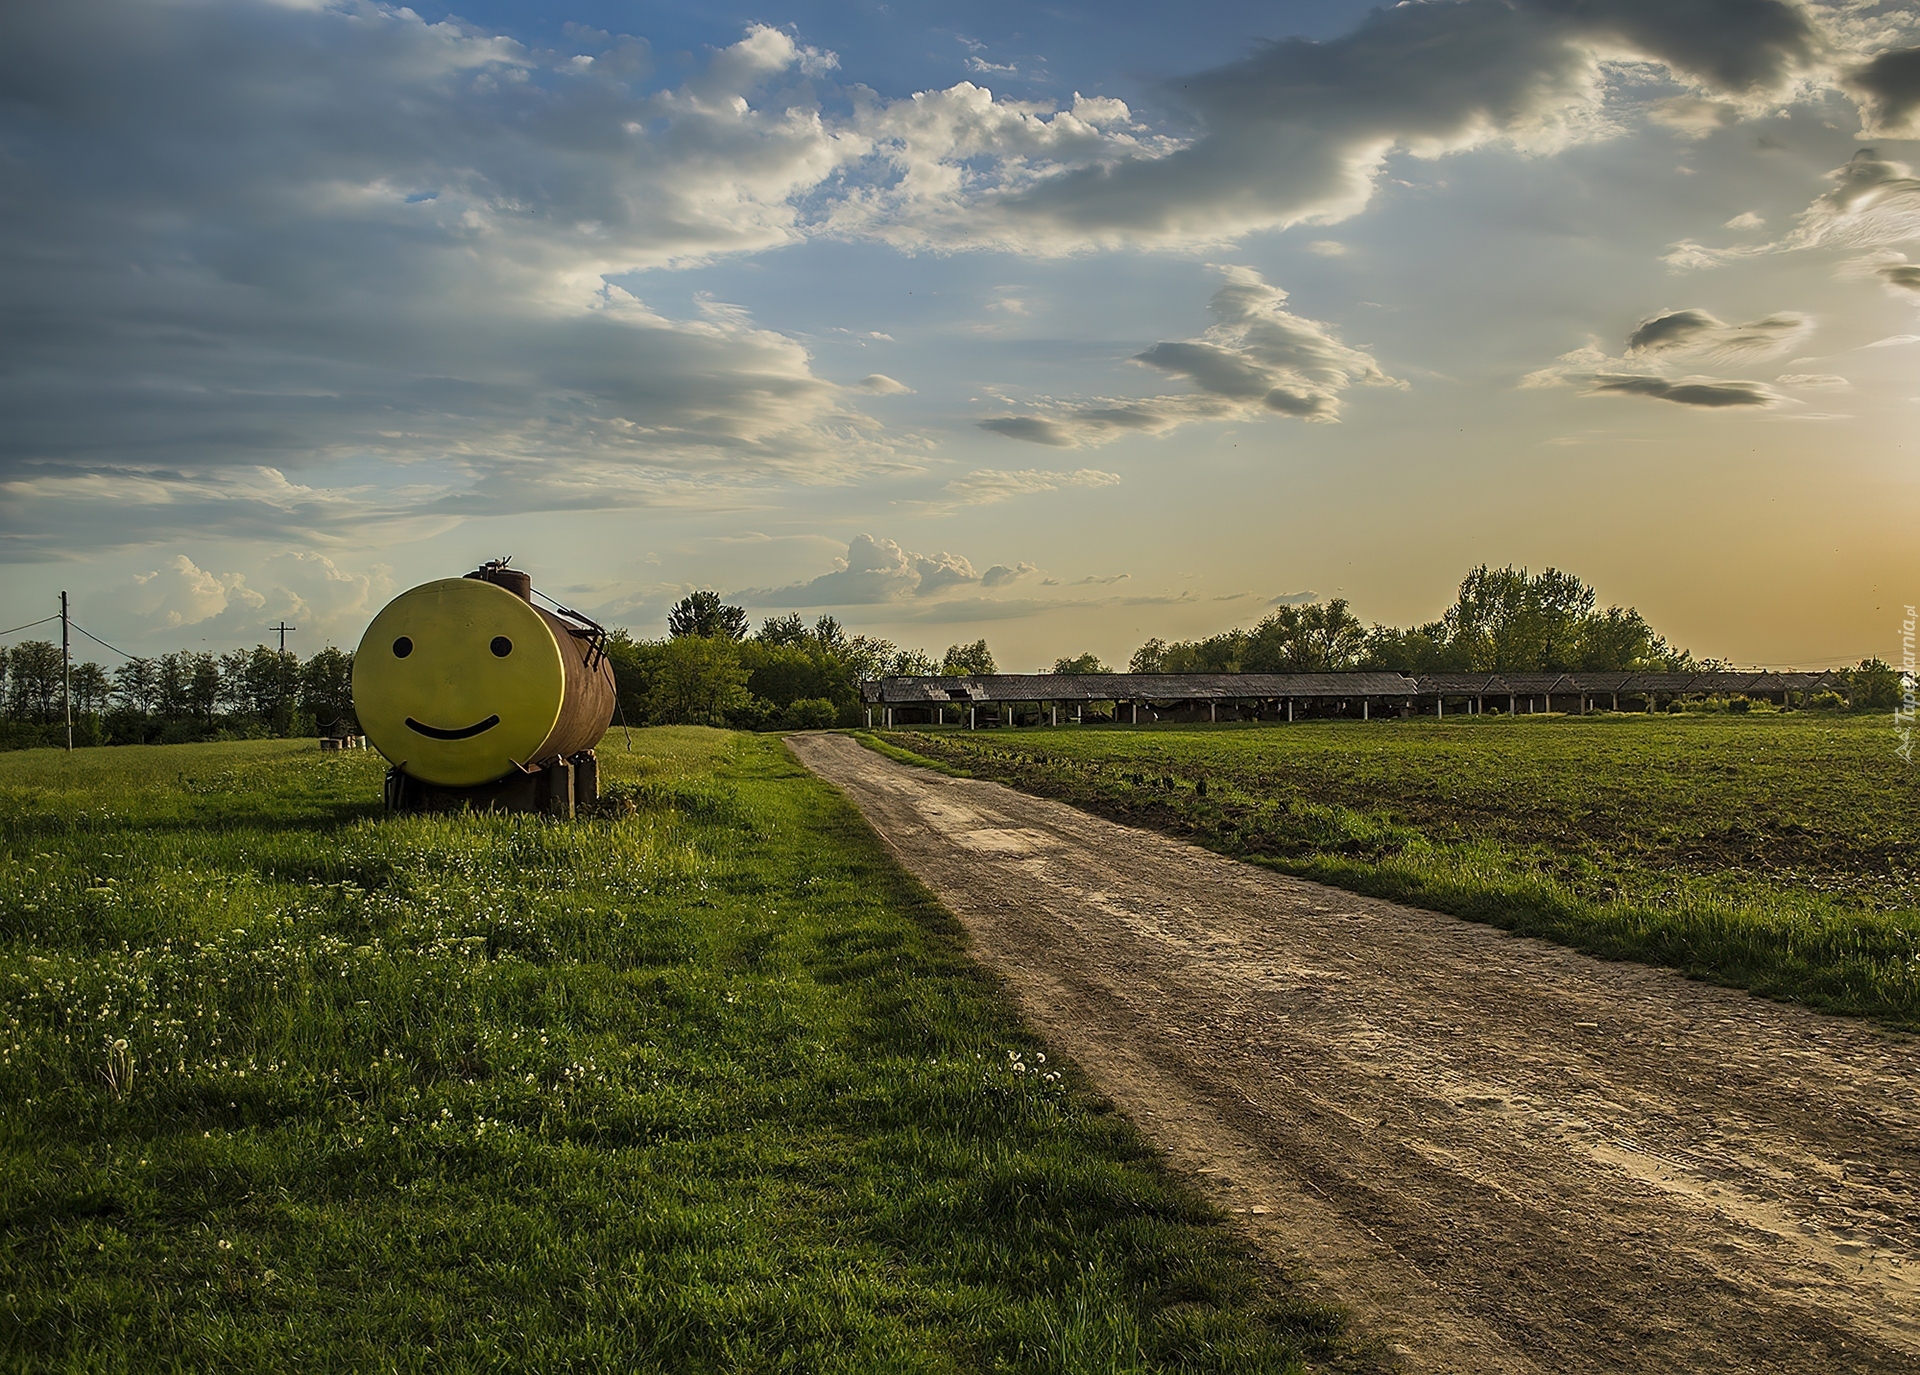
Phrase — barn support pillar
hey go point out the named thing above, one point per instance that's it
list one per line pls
(1289, 711)
(1365, 709)
(1134, 707)
(1440, 707)
(869, 718)
(973, 718)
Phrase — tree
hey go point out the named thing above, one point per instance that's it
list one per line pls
(964, 661)
(34, 681)
(1873, 686)
(1085, 663)
(830, 635)
(1151, 657)
(787, 630)
(203, 687)
(912, 663)
(705, 616)
(91, 687)
(1316, 638)
(137, 684)
(697, 680)
(1620, 639)
(326, 687)
(1507, 619)
(1422, 649)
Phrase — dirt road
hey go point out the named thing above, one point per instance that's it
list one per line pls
(1502, 1155)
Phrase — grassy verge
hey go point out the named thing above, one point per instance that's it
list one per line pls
(1769, 852)
(707, 1084)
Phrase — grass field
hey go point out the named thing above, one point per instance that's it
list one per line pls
(1775, 852)
(707, 1085)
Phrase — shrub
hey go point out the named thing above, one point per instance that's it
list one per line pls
(810, 713)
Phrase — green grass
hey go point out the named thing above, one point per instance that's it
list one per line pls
(705, 1085)
(1774, 852)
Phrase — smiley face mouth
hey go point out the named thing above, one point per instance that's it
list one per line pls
(464, 733)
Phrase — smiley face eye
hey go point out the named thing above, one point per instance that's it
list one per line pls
(501, 646)
(402, 647)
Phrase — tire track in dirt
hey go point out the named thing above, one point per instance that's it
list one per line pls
(1501, 1154)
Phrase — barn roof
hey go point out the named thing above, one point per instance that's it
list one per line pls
(1132, 687)
(1226, 687)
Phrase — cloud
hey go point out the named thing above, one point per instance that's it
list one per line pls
(1815, 381)
(1874, 202)
(324, 602)
(1643, 370)
(879, 384)
(1300, 131)
(1745, 220)
(1692, 116)
(1697, 331)
(1894, 271)
(1889, 89)
(1000, 575)
(1295, 599)
(324, 239)
(986, 486)
(1257, 359)
(1691, 391)
(878, 570)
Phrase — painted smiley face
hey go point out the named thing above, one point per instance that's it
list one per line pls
(458, 682)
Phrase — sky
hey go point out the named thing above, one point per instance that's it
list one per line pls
(1061, 325)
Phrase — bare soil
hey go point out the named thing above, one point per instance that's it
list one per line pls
(1500, 1154)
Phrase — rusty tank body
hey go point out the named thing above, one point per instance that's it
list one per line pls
(480, 698)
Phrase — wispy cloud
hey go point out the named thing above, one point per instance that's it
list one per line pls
(986, 486)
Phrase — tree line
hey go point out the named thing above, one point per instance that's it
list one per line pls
(713, 668)
(787, 675)
(172, 698)
(1502, 620)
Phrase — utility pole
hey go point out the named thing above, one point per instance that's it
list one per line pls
(66, 669)
(280, 673)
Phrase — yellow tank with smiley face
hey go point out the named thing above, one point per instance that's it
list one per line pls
(460, 682)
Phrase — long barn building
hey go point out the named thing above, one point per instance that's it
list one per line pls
(1138, 698)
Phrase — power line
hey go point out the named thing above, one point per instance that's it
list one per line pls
(102, 643)
(31, 624)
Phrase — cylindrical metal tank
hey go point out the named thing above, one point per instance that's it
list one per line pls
(465, 681)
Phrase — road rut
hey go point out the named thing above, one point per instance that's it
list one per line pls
(1500, 1154)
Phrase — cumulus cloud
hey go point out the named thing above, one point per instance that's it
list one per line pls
(325, 602)
(1001, 575)
(879, 384)
(879, 570)
(1257, 359)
